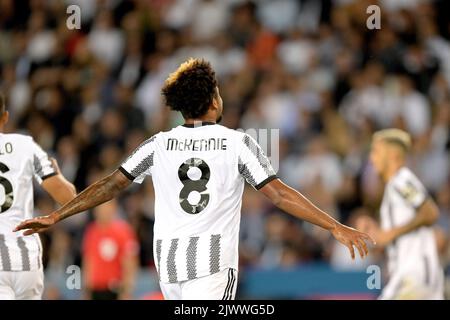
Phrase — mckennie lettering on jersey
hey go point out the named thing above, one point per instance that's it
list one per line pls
(198, 174)
(21, 160)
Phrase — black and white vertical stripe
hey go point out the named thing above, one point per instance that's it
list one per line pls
(171, 264)
(145, 162)
(39, 256)
(158, 256)
(229, 288)
(191, 258)
(143, 144)
(245, 172)
(38, 166)
(43, 167)
(24, 254)
(5, 255)
(259, 154)
(214, 254)
(187, 260)
(143, 165)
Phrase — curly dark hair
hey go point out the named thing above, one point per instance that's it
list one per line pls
(191, 88)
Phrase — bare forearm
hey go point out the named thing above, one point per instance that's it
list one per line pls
(98, 193)
(67, 193)
(61, 190)
(407, 228)
(425, 216)
(296, 204)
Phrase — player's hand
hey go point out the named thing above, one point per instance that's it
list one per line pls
(36, 225)
(371, 227)
(352, 238)
(367, 225)
(384, 238)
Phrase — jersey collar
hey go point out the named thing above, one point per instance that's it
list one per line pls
(198, 124)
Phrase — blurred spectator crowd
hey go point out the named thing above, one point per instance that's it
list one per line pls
(310, 68)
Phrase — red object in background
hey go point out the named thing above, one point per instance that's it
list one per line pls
(72, 42)
(153, 296)
(103, 250)
(262, 49)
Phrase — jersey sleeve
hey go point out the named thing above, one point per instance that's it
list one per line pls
(139, 164)
(253, 164)
(42, 166)
(411, 190)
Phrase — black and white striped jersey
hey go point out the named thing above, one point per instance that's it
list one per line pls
(198, 174)
(415, 253)
(21, 160)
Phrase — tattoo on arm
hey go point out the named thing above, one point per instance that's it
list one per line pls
(101, 191)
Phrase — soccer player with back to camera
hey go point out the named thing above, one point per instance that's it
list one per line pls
(198, 171)
(407, 214)
(21, 160)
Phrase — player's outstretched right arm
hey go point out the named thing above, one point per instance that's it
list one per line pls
(294, 203)
(99, 192)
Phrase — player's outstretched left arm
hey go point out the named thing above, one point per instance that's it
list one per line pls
(294, 203)
(99, 192)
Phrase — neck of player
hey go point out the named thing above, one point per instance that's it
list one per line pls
(198, 120)
(392, 169)
(210, 116)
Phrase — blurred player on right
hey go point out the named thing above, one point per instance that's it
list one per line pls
(407, 214)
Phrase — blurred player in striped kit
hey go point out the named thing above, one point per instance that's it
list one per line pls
(407, 214)
(21, 160)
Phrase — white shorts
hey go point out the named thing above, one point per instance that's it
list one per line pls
(409, 288)
(21, 285)
(218, 286)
